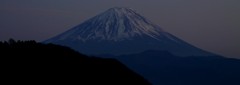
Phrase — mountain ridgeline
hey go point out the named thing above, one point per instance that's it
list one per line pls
(28, 62)
(120, 31)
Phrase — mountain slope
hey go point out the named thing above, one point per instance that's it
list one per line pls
(28, 62)
(120, 31)
(116, 24)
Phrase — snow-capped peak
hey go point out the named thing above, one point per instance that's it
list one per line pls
(120, 31)
(120, 10)
(115, 24)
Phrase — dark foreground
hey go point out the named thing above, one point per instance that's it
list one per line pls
(29, 62)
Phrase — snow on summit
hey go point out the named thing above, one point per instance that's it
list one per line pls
(115, 24)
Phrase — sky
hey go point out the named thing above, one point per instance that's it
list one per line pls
(212, 25)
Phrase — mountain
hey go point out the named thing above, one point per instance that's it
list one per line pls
(28, 62)
(120, 31)
(164, 68)
(144, 47)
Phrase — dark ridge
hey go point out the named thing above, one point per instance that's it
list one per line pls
(29, 62)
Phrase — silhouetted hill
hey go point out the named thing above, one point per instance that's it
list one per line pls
(163, 68)
(29, 62)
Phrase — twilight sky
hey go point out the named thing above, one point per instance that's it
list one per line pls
(212, 25)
